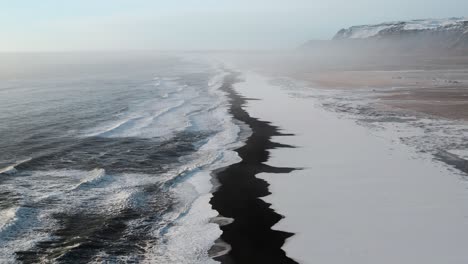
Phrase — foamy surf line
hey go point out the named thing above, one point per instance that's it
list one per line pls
(196, 217)
(33, 224)
(142, 213)
(9, 170)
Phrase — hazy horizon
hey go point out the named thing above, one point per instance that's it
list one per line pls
(53, 25)
(234, 131)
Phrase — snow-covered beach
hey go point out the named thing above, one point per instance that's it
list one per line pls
(361, 196)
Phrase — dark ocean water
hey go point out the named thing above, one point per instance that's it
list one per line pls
(106, 157)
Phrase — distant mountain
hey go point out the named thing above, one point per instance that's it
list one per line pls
(420, 35)
(433, 26)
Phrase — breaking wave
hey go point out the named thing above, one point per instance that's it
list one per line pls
(135, 186)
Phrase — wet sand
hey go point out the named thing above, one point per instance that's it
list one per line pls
(238, 197)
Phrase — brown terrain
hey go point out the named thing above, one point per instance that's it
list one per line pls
(433, 85)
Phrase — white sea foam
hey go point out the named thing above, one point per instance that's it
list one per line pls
(144, 122)
(184, 107)
(157, 81)
(7, 216)
(72, 191)
(16, 234)
(193, 219)
(94, 178)
(161, 118)
(10, 170)
(189, 240)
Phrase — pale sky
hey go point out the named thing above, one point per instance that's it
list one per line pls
(61, 25)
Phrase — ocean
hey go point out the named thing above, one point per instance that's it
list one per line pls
(107, 157)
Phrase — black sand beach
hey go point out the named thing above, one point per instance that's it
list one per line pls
(250, 235)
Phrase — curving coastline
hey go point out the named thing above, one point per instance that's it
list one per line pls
(250, 235)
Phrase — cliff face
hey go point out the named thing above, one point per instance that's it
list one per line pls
(454, 26)
(427, 33)
(424, 35)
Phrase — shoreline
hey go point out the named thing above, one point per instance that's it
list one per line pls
(250, 235)
(361, 195)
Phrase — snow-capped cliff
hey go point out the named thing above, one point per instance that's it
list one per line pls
(430, 36)
(457, 26)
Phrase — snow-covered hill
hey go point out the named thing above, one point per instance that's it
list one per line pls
(433, 26)
(428, 36)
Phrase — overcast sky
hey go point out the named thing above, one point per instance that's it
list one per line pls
(39, 25)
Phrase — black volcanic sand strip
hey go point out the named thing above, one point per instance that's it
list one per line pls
(250, 235)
